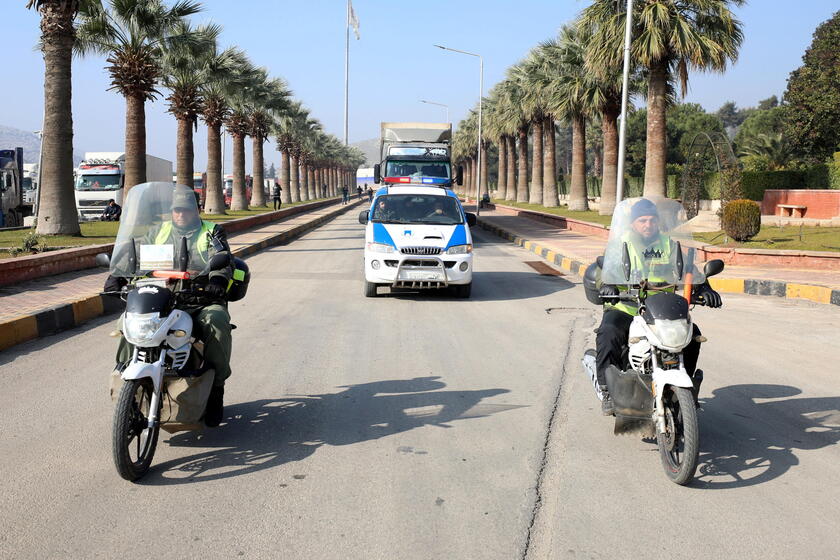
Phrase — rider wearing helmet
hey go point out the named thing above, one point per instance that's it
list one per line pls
(212, 320)
(646, 245)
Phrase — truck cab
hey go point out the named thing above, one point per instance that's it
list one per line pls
(98, 180)
(12, 206)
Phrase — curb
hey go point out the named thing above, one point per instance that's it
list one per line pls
(777, 288)
(72, 314)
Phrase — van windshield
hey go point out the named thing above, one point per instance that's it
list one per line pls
(417, 209)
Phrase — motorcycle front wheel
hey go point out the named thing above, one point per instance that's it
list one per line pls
(133, 442)
(679, 445)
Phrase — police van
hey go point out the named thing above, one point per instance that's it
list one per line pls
(418, 237)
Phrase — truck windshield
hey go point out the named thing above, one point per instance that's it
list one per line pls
(98, 182)
(417, 169)
(417, 209)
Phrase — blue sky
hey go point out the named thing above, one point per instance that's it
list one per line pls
(393, 66)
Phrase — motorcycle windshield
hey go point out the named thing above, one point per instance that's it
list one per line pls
(650, 240)
(155, 217)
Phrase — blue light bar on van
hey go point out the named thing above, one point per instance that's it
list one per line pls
(435, 180)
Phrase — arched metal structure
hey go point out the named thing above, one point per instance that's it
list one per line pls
(709, 153)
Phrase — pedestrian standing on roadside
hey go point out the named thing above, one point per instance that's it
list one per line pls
(275, 195)
(369, 192)
(345, 192)
(358, 192)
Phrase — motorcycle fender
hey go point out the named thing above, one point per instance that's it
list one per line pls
(661, 379)
(139, 370)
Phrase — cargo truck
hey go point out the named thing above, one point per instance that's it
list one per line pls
(415, 153)
(14, 205)
(101, 177)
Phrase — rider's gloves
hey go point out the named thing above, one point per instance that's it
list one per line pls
(608, 291)
(217, 287)
(114, 283)
(705, 295)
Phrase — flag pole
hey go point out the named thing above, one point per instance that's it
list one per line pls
(346, 72)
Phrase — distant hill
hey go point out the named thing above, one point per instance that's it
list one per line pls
(370, 148)
(11, 138)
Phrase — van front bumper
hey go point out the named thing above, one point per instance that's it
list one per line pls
(418, 272)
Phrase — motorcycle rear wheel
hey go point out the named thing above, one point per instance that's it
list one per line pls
(133, 442)
(679, 446)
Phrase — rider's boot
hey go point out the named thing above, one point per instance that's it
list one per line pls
(215, 406)
(697, 380)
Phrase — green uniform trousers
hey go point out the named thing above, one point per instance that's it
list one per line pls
(211, 325)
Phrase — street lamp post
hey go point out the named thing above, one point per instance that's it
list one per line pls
(439, 105)
(480, 96)
(622, 133)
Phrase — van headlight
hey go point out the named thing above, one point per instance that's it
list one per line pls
(140, 328)
(673, 333)
(380, 248)
(459, 250)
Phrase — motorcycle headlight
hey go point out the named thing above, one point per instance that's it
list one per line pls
(140, 328)
(673, 333)
(380, 248)
(459, 250)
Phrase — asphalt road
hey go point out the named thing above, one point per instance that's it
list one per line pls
(422, 426)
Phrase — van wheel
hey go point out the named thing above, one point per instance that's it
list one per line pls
(370, 289)
(463, 291)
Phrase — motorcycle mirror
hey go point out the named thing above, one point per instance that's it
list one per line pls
(103, 260)
(625, 261)
(600, 262)
(680, 261)
(713, 267)
(184, 255)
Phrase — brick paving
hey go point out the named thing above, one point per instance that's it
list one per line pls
(38, 295)
(586, 248)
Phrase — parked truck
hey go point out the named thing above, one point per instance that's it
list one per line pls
(415, 153)
(13, 207)
(101, 177)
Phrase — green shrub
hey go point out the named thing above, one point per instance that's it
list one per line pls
(741, 219)
(30, 244)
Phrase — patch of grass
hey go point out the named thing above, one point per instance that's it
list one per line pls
(787, 238)
(585, 216)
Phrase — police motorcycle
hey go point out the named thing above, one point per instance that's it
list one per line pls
(652, 393)
(166, 383)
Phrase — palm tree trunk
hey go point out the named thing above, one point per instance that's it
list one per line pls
(549, 165)
(522, 166)
(184, 153)
(656, 149)
(609, 129)
(535, 193)
(57, 213)
(258, 189)
(484, 169)
(239, 200)
(294, 185)
(285, 188)
(577, 191)
(135, 141)
(214, 202)
(310, 180)
(302, 181)
(511, 167)
(501, 186)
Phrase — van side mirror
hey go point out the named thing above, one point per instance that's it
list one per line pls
(377, 178)
(363, 217)
(459, 175)
(471, 218)
(713, 267)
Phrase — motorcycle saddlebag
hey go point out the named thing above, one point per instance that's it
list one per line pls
(589, 287)
(630, 392)
(241, 279)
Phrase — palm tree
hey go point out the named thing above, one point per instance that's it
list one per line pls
(184, 72)
(132, 34)
(57, 205)
(773, 148)
(284, 131)
(670, 36)
(220, 74)
(517, 119)
(267, 102)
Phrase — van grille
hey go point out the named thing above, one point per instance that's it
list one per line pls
(420, 250)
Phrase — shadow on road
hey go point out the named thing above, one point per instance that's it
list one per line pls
(492, 286)
(267, 433)
(746, 442)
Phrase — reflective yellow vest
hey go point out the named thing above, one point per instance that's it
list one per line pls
(654, 260)
(202, 243)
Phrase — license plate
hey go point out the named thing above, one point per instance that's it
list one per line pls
(432, 275)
